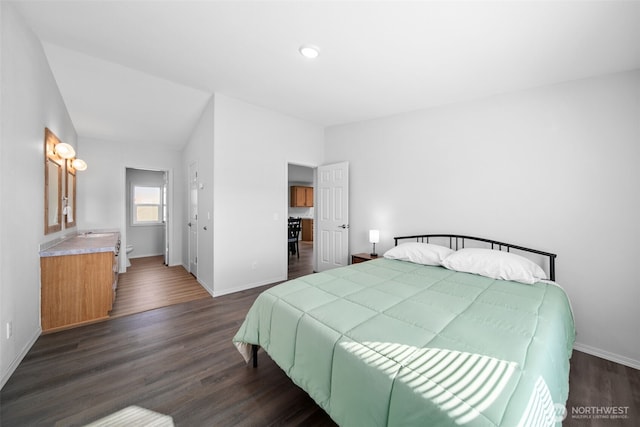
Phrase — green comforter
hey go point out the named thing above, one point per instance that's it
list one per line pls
(389, 342)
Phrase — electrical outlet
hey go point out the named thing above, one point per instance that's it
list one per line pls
(254, 265)
(9, 331)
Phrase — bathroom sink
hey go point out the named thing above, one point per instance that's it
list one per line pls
(93, 235)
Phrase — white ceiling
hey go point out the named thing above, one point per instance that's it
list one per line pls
(141, 71)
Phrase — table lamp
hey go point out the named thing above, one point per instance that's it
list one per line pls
(374, 237)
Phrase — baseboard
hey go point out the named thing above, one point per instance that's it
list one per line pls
(248, 286)
(607, 355)
(144, 255)
(16, 362)
(204, 285)
(206, 288)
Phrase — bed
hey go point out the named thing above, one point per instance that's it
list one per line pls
(443, 330)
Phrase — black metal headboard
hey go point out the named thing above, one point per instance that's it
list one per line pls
(457, 242)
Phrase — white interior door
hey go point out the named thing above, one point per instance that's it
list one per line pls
(332, 216)
(193, 219)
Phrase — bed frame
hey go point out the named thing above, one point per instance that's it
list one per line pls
(457, 241)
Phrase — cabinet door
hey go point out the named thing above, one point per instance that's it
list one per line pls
(301, 197)
(297, 197)
(75, 289)
(307, 230)
(308, 197)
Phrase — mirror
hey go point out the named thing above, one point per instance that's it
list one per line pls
(52, 184)
(70, 199)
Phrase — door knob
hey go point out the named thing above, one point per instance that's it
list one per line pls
(344, 226)
(189, 224)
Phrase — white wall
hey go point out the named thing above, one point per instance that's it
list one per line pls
(147, 240)
(252, 149)
(30, 102)
(199, 150)
(242, 152)
(553, 168)
(101, 198)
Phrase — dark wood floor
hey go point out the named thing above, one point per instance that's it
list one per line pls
(179, 360)
(176, 360)
(303, 265)
(597, 384)
(149, 284)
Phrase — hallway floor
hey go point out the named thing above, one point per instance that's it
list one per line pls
(149, 284)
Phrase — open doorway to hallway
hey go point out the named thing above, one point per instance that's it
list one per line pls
(301, 199)
(148, 282)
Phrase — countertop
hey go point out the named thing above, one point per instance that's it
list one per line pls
(85, 243)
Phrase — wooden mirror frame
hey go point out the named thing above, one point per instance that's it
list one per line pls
(53, 166)
(70, 199)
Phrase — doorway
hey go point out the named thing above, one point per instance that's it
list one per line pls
(193, 219)
(146, 214)
(301, 179)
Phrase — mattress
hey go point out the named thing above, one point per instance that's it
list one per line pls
(392, 343)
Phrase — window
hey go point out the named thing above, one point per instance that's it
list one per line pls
(147, 205)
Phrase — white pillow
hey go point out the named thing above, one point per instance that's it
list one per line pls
(495, 264)
(419, 253)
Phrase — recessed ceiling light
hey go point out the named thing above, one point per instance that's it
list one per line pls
(309, 51)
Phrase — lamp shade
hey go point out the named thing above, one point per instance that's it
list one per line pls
(374, 236)
(79, 164)
(65, 151)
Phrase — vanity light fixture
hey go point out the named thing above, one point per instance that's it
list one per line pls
(374, 237)
(309, 51)
(79, 164)
(65, 150)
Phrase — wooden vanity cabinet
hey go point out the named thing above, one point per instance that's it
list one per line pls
(77, 289)
(301, 197)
